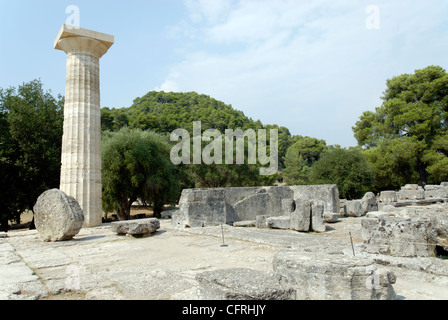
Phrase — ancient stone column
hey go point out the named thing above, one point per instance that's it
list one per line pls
(81, 142)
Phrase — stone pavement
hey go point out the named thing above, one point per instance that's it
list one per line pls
(100, 265)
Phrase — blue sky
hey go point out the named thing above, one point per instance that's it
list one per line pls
(311, 66)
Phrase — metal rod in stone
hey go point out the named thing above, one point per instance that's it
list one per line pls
(353, 247)
(222, 230)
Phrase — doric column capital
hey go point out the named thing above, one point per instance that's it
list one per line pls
(72, 40)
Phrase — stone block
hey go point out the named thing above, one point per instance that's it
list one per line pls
(211, 207)
(317, 216)
(327, 193)
(252, 206)
(320, 276)
(288, 206)
(410, 187)
(430, 187)
(369, 202)
(168, 214)
(436, 193)
(399, 237)
(377, 214)
(444, 184)
(388, 197)
(330, 217)
(136, 227)
(354, 208)
(405, 194)
(301, 217)
(260, 221)
(243, 284)
(278, 222)
(57, 216)
(245, 224)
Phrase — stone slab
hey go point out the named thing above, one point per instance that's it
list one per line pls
(243, 284)
(278, 222)
(330, 217)
(136, 227)
(245, 224)
(320, 276)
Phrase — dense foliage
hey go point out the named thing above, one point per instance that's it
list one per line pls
(137, 166)
(299, 159)
(30, 147)
(407, 137)
(348, 168)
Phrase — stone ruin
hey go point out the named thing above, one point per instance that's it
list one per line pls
(300, 208)
(412, 222)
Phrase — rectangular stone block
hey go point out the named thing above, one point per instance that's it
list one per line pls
(411, 195)
(260, 222)
(278, 222)
(301, 217)
(317, 216)
(388, 197)
(327, 193)
(436, 193)
(354, 208)
(319, 276)
(399, 237)
(136, 227)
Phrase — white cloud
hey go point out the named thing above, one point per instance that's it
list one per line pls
(312, 66)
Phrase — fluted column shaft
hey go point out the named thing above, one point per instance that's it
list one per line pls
(81, 141)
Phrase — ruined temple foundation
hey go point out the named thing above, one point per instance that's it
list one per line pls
(81, 142)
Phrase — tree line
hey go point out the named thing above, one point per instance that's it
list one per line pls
(405, 140)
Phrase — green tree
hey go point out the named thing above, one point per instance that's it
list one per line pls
(299, 159)
(137, 166)
(348, 168)
(31, 123)
(408, 132)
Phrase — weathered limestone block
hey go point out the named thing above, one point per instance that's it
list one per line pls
(436, 214)
(399, 236)
(278, 222)
(342, 203)
(369, 202)
(260, 221)
(57, 216)
(208, 207)
(388, 197)
(245, 224)
(430, 187)
(168, 214)
(288, 206)
(330, 217)
(202, 208)
(410, 195)
(444, 184)
(327, 193)
(354, 208)
(321, 276)
(136, 227)
(377, 214)
(317, 216)
(301, 217)
(436, 192)
(409, 187)
(252, 206)
(243, 284)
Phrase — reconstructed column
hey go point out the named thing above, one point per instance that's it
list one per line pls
(81, 142)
